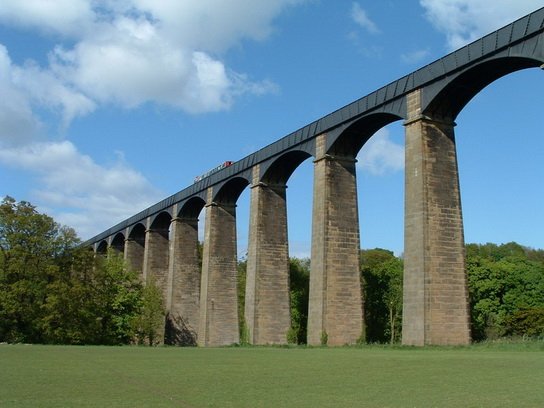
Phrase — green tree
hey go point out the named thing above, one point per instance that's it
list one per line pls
(149, 324)
(117, 293)
(52, 290)
(33, 248)
(506, 288)
(241, 292)
(299, 281)
(70, 313)
(381, 273)
(94, 300)
(526, 321)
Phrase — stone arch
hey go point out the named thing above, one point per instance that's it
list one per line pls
(102, 248)
(281, 169)
(352, 138)
(191, 208)
(137, 233)
(230, 191)
(118, 242)
(449, 100)
(161, 222)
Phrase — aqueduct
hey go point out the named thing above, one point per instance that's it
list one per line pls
(161, 241)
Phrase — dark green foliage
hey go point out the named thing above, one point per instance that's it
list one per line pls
(33, 250)
(506, 287)
(241, 288)
(96, 302)
(299, 284)
(54, 291)
(149, 322)
(118, 300)
(381, 273)
(69, 313)
(526, 322)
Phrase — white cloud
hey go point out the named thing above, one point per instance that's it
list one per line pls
(88, 197)
(67, 17)
(380, 155)
(132, 52)
(23, 88)
(466, 20)
(43, 88)
(359, 15)
(225, 23)
(18, 125)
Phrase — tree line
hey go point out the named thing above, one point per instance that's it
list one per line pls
(53, 290)
(505, 282)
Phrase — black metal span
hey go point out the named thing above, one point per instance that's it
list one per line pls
(385, 100)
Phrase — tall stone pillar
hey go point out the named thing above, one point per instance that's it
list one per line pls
(184, 275)
(435, 300)
(134, 254)
(156, 258)
(155, 267)
(267, 313)
(218, 324)
(335, 314)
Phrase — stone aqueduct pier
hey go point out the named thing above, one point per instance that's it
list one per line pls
(161, 241)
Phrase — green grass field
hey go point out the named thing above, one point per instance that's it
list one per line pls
(369, 376)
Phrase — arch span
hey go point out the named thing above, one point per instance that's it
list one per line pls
(191, 208)
(137, 233)
(102, 248)
(118, 242)
(351, 139)
(457, 92)
(281, 169)
(228, 192)
(161, 222)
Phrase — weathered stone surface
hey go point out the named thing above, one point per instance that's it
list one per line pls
(218, 324)
(267, 314)
(435, 309)
(155, 269)
(134, 254)
(184, 275)
(335, 309)
(156, 253)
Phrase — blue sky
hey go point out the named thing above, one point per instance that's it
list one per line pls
(110, 106)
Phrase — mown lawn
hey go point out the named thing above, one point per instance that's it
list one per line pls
(369, 376)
